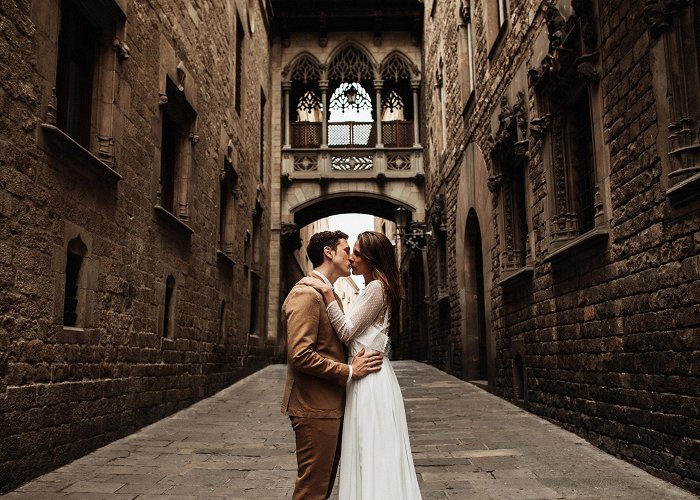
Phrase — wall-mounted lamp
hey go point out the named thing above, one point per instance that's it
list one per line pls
(415, 238)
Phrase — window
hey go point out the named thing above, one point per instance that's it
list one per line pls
(222, 322)
(508, 169)
(675, 30)
(240, 37)
(254, 314)
(77, 43)
(581, 161)
(440, 105)
(466, 53)
(83, 99)
(169, 309)
(263, 102)
(570, 107)
(74, 286)
(496, 17)
(177, 121)
(228, 193)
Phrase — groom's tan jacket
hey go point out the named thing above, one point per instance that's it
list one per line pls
(316, 367)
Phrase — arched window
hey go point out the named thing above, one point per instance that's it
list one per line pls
(169, 308)
(74, 282)
(350, 122)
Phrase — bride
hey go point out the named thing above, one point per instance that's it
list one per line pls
(375, 460)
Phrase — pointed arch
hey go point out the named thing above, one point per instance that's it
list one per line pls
(397, 66)
(303, 68)
(350, 61)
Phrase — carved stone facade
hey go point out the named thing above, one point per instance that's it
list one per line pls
(571, 214)
(128, 291)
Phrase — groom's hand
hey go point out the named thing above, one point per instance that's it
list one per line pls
(363, 365)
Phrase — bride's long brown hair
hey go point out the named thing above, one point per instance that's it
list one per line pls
(378, 251)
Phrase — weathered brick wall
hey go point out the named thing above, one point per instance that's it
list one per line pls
(610, 335)
(64, 392)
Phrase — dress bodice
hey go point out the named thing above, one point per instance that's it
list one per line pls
(364, 325)
(374, 338)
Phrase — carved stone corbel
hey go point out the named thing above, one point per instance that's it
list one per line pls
(587, 67)
(538, 126)
(494, 183)
(122, 49)
(289, 234)
(181, 75)
(465, 12)
(658, 14)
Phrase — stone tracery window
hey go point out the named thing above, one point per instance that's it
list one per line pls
(350, 64)
(675, 30)
(509, 181)
(569, 126)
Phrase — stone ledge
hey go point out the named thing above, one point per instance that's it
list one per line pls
(517, 276)
(224, 258)
(57, 141)
(173, 221)
(684, 191)
(595, 236)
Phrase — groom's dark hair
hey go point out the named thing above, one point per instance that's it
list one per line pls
(321, 240)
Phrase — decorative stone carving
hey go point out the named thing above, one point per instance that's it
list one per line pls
(587, 67)
(105, 149)
(51, 108)
(538, 126)
(659, 13)
(350, 64)
(465, 12)
(437, 214)
(122, 49)
(162, 99)
(181, 75)
(194, 138)
(289, 234)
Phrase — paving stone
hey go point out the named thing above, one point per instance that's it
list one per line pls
(467, 444)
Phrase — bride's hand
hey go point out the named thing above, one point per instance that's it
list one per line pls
(317, 284)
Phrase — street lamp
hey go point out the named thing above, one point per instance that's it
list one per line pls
(350, 94)
(411, 238)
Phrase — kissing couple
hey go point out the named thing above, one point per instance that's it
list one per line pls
(341, 388)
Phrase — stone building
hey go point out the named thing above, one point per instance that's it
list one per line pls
(537, 163)
(563, 194)
(134, 216)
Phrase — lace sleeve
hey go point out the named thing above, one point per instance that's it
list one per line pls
(361, 315)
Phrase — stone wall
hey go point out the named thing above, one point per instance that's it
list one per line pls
(600, 334)
(67, 390)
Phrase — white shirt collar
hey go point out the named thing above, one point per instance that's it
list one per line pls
(323, 277)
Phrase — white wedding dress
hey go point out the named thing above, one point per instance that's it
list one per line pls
(375, 456)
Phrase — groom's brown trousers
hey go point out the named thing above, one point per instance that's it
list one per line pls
(318, 454)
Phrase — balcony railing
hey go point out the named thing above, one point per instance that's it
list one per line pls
(397, 133)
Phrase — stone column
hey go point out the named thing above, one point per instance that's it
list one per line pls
(415, 85)
(286, 87)
(323, 85)
(378, 85)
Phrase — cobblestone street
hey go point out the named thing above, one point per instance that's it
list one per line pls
(467, 444)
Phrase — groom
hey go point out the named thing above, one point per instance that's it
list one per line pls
(314, 397)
